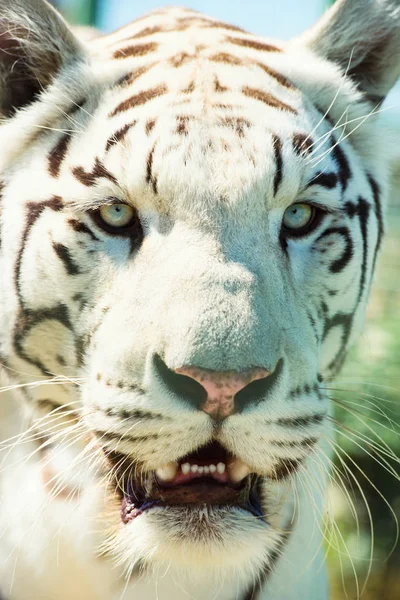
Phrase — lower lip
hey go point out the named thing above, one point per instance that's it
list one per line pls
(196, 494)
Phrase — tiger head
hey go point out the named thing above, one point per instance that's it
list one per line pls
(191, 217)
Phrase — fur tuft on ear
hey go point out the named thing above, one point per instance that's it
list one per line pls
(35, 44)
(363, 37)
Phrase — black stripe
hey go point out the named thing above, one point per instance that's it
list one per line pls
(35, 210)
(378, 212)
(327, 180)
(340, 263)
(361, 209)
(64, 255)
(29, 319)
(363, 215)
(341, 160)
(314, 326)
(306, 442)
(150, 177)
(339, 320)
(108, 436)
(301, 421)
(118, 135)
(277, 144)
(81, 227)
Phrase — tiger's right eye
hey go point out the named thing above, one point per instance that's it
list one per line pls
(120, 219)
(117, 215)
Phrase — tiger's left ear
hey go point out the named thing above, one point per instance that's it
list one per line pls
(35, 44)
(363, 37)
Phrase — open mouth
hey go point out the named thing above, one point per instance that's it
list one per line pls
(209, 476)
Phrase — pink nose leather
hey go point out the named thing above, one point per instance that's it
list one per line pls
(221, 387)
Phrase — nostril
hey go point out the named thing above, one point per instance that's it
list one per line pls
(182, 385)
(223, 387)
(229, 381)
(257, 390)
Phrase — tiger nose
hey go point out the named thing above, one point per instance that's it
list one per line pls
(221, 387)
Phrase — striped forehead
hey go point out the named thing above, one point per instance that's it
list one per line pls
(191, 100)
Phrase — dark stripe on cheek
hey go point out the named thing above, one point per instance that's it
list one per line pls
(301, 421)
(138, 50)
(342, 262)
(379, 216)
(27, 320)
(284, 468)
(34, 211)
(139, 99)
(80, 227)
(64, 255)
(277, 144)
(267, 98)
(363, 215)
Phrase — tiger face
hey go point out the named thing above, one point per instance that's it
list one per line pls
(190, 222)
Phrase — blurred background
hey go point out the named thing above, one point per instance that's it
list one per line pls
(367, 392)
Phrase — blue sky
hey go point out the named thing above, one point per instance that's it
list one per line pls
(272, 18)
(275, 18)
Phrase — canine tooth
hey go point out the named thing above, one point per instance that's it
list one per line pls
(206, 470)
(212, 468)
(167, 472)
(194, 468)
(201, 469)
(238, 470)
(221, 468)
(185, 468)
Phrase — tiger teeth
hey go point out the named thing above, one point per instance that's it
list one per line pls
(167, 472)
(206, 470)
(238, 470)
(185, 468)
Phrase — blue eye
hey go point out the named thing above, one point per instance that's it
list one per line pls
(298, 217)
(117, 215)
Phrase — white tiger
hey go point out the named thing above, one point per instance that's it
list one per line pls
(190, 222)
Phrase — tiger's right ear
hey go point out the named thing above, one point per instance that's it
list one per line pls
(35, 44)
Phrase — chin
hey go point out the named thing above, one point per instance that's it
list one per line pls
(198, 542)
(205, 528)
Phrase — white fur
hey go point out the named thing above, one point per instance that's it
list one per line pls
(210, 286)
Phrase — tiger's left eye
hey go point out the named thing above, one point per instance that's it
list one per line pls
(300, 218)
